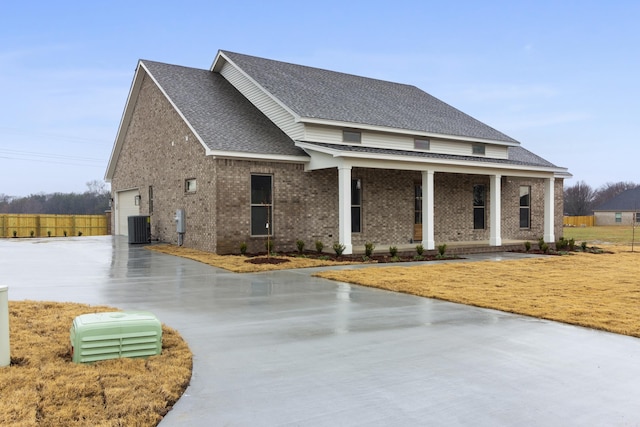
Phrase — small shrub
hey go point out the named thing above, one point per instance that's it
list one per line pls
(48, 233)
(338, 248)
(243, 248)
(420, 250)
(65, 233)
(268, 245)
(527, 246)
(368, 249)
(15, 233)
(544, 248)
(324, 258)
(319, 246)
(393, 251)
(583, 246)
(79, 233)
(572, 244)
(562, 244)
(300, 245)
(541, 243)
(32, 233)
(442, 249)
(418, 258)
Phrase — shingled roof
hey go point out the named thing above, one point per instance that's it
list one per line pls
(223, 118)
(328, 95)
(628, 200)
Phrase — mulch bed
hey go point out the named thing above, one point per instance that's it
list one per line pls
(261, 258)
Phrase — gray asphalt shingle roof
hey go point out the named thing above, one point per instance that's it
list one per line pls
(628, 200)
(329, 95)
(223, 118)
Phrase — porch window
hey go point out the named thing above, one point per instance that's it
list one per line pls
(479, 205)
(261, 205)
(356, 206)
(418, 204)
(525, 206)
(618, 216)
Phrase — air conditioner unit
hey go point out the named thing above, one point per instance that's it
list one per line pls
(139, 229)
(112, 335)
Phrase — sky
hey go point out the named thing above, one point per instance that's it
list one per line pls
(561, 77)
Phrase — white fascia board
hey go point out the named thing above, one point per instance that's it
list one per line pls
(239, 155)
(124, 122)
(221, 58)
(392, 161)
(385, 129)
(175, 107)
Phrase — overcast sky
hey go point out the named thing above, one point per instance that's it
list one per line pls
(561, 77)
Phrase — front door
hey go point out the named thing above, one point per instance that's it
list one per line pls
(417, 222)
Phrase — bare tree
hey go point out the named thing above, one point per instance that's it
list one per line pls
(578, 199)
(611, 190)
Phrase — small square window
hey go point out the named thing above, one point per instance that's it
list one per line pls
(351, 136)
(190, 185)
(421, 144)
(478, 149)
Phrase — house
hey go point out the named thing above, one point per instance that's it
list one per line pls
(255, 146)
(622, 209)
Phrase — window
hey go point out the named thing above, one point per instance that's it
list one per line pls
(418, 204)
(478, 149)
(351, 136)
(261, 205)
(356, 206)
(478, 206)
(618, 216)
(637, 216)
(190, 185)
(525, 206)
(421, 144)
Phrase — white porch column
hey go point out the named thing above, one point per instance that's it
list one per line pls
(428, 241)
(495, 214)
(344, 208)
(549, 210)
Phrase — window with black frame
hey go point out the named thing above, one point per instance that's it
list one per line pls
(525, 206)
(356, 206)
(479, 205)
(261, 205)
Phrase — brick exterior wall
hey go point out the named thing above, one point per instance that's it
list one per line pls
(159, 150)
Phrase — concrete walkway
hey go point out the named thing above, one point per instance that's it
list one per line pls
(286, 349)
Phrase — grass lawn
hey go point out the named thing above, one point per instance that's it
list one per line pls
(43, 387)
(604, 235)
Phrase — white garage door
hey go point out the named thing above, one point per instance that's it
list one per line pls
(125, 207)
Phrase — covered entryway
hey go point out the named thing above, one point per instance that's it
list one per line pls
(127, 204)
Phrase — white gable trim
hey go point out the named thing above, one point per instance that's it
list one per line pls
(141, 71)
(239, 155)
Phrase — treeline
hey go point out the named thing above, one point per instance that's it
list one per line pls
(94, 201)
(582, 199)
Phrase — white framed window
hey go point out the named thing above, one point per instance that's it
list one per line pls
(353, 136)
(618, 216)
(190, 185)
(421, 144)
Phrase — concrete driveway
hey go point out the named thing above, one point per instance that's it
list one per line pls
(286, 349)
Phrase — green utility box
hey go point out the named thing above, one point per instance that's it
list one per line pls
(101, 336)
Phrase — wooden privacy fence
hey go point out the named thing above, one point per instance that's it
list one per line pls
(43, 225)
(579, 221)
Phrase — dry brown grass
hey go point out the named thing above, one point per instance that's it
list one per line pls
(43, 387)
(600, 291)
(238, 263)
